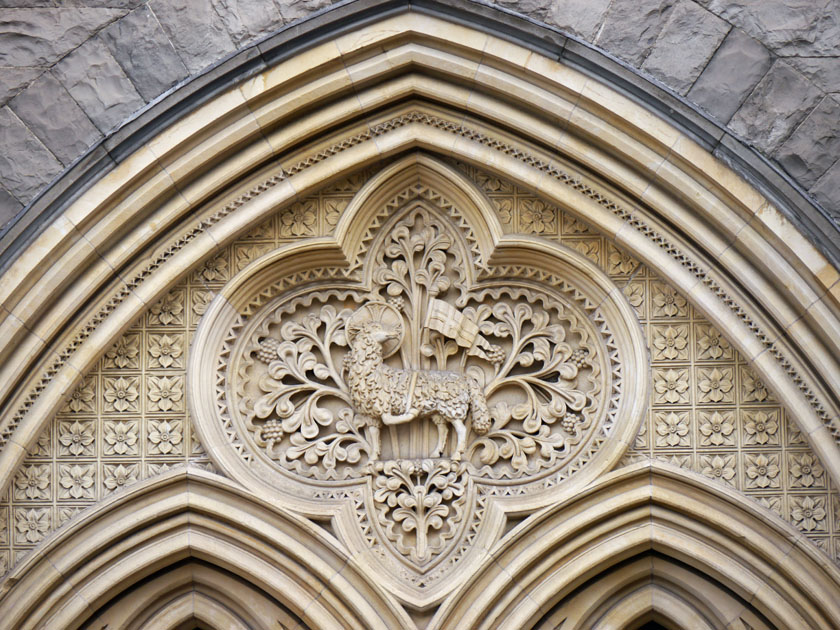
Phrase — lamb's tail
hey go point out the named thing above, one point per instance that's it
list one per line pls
(481, 419)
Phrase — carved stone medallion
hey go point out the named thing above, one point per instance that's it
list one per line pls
(436, 377)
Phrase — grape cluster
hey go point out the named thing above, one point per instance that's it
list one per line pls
(397, 302)
(570, 422)
(495, 354)
(580, 357)
(268, 350)
(272, 431)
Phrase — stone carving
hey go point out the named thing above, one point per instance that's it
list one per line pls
(382, 394)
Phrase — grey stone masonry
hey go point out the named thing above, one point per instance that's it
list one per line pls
(733, 72)
(55, 118)
(72, 70)
(98, 84)
(142, 48)
(689, 38)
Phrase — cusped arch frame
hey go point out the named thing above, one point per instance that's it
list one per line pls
(335, 263)
(644, 508)
(193, 514)
(323, 114)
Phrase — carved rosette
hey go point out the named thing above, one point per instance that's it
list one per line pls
(419, 388)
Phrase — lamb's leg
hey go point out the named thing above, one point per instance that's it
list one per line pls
(402, 418)
(443, 433)
(461, 432)
(373, 439)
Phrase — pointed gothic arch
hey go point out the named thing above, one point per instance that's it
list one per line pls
(392, 96)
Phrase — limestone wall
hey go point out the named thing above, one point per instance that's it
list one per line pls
(71, 72)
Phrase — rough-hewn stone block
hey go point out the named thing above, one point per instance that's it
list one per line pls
(779, 102)
(39, 37)
(815, 145)
(292, 10)
(144, 51)
(248, 20)
(824, 72)
(9, 207)
(55, 118)
(686, 43)
(581, 17)
(632, 26)
(195, 30)
(789, 27)
(731, 75)
(94, 78)
(26, 165)
(827, 190)
(12, 80)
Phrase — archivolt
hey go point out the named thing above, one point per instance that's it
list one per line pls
(411, 83)
(286, 561)
(708, 553)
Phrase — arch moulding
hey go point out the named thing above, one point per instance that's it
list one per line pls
(408, 100)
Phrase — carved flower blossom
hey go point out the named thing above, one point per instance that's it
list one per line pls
(200, 301)
(716, 428)
(215, 269)
(805, 471)
(718, 467)
(808, 513)
(298, 220)
(760, 427)
(672, 429)
(710, 343)
(165, 349)
(165, 392)
(121, 437)
(671, 385)
(123, 353)
(121, 393)
(621, 262)
(635, 293)
(165, 436)
(715, 384)
(33, 524)
(32, 482)
(119, 476)
(82, 397)
(76, 437)
(670, 342)
(762, 471)
(168, 310)
(538, 217)
(76, 481)
(667, 302)
(754, 387)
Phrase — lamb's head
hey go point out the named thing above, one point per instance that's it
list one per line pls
(377, 332)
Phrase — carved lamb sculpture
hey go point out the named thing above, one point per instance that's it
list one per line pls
(385, 395)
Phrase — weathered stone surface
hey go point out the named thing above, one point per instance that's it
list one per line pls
(292, 10)
(143, 50)
(779, 102)
(12, 80)
(686, 43)
(824, 72)
(98, 84)
(827, 191)
(789, 27)
(731, 75)
(9, 207)
(195, 30)
(632, 26)
(580, 17)
(39, 37)
(26, 165)
(55, 118)
(815, 145)
(248, 20)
